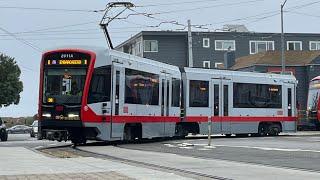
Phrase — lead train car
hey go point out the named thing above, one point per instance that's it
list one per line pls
(238, 102)
(93, 93)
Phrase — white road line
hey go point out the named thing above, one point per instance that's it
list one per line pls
(38, 147)
(169, 145)
(186, 147)
(271, 149)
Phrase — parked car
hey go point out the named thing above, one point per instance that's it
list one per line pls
(3, 132)
(19, 129)
(34, 130)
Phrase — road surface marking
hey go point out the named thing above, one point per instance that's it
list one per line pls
(169, 145)
(271, 149)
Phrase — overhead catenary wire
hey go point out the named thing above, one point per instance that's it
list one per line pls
(59, 33)
(34, 47)
(176, 3)
(52, 9)
(24, 42)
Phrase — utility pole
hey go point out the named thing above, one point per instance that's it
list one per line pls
(283, 66)
(190, 59)
(106, 20)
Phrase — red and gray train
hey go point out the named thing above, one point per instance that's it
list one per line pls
(100, 94)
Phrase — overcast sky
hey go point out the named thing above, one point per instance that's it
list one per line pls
(42, 24)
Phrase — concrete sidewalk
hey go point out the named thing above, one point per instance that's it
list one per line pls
(303, 133)
(221, 168)
(21, 163)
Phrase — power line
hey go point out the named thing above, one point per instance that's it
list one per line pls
(305, 14)
(176, 3)
(206, 7)
(22, 40)
(59, 33)
(50, 9)
(163, 21)
(67, 38)
(303, 5)
(61, 27)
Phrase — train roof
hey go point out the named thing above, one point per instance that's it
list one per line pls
(238, 73)
(102, 52)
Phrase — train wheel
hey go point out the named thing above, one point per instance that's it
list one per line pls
(127, 133)
(274, 130)
(181, 131)
(262, 131)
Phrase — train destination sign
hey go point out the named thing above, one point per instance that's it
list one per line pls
(67, 59)
(67, 62)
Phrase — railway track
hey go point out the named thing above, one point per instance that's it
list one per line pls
(79, 152)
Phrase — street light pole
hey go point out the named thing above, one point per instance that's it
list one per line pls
(282, 40)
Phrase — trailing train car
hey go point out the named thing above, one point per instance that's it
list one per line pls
(93, 93)
(313, 105)
(238, 102)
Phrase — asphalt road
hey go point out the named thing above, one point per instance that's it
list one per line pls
(294, 152)
(24, 140)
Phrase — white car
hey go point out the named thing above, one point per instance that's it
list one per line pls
(34, 130)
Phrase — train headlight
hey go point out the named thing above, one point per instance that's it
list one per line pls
(46, 114)
(73, 115)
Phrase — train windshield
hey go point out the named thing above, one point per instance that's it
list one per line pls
(63, 85)
(313, 96)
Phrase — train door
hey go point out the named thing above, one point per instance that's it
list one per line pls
(289, 99)
(165, 101)
(220, 105)
(289, 105)
(117, 99)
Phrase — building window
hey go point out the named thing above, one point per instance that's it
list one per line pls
(206, 64)
(199, 94)
(218, 65)
(314, 45)
(224, 45)
(138, 48)
(206, 42)
(150, 46)
(294, 45)
(247, 95)
(261, 46)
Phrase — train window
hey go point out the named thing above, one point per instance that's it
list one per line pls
(199, 94)
(175, 92)
(246, 95)
(141, 88)
(100, 85)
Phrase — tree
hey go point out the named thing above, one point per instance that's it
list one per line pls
(10, 84)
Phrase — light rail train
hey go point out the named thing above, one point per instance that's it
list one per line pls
(95, 93)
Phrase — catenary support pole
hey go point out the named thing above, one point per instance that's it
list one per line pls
(190, 59)
(283, 66)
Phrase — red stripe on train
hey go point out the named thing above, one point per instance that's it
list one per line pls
(240, 118)
(157, 119)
